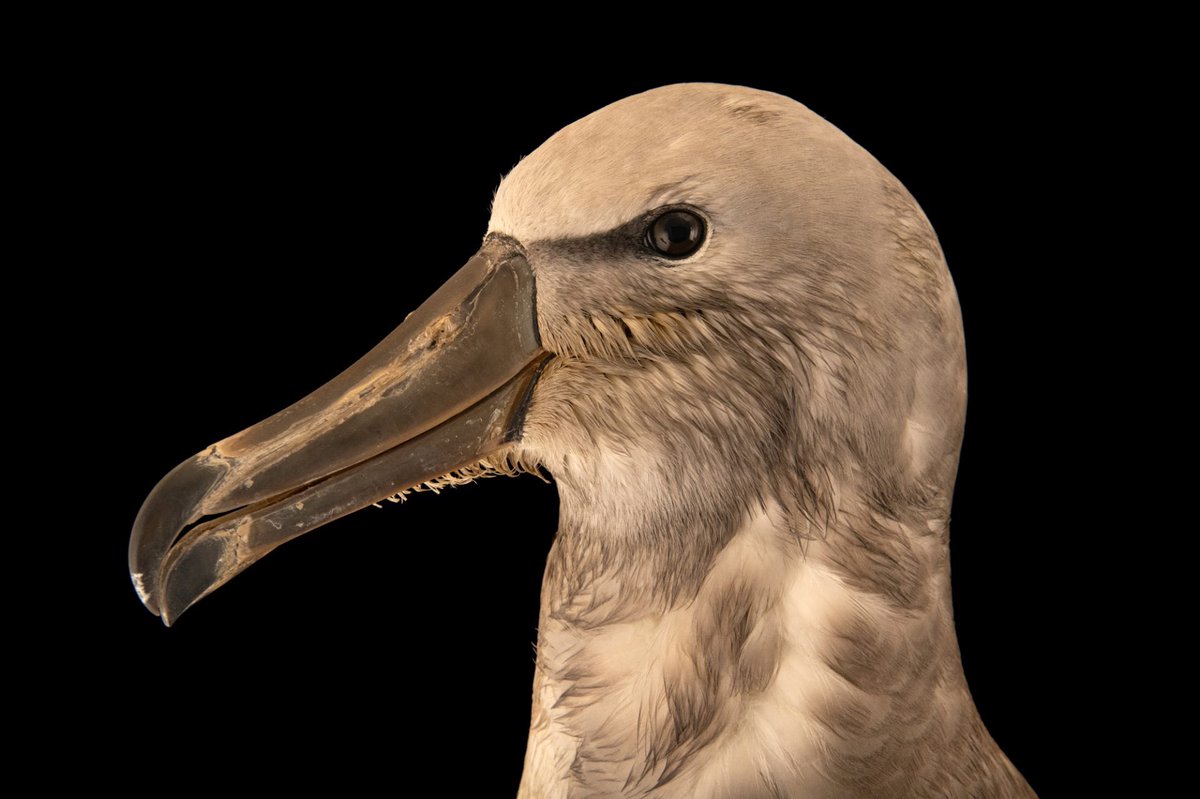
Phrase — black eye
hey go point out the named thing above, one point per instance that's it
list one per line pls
(676, 233)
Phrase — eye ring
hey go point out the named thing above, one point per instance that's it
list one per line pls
(676, 233)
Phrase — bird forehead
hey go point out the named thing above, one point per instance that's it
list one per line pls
(690, 143)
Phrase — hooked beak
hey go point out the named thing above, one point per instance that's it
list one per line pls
(444, 390)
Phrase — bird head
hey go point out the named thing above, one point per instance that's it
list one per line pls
(694, 300)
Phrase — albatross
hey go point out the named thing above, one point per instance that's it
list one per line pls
(730, 336)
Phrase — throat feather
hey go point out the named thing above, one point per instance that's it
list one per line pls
(769, 649)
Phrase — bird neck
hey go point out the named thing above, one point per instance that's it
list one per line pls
(695, 649)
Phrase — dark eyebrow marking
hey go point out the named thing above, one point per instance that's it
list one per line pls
(626, 239)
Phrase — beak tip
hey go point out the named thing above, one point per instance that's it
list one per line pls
(144, 594)
(171, 615)
(191, 573)
(172, 505)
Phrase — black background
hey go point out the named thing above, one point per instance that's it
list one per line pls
(260, 218)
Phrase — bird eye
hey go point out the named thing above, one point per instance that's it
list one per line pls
(675, 233)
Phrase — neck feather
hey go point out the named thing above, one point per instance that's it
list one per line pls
(725, 653)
